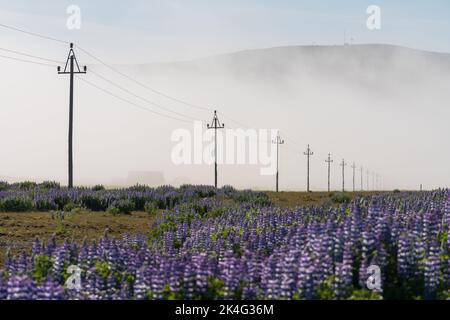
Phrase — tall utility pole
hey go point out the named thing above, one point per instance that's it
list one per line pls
(343, 164)
(71, 68)
(329, 161)
(308, 153)
(362, 173)
(277, 141)
(353, 167)
(215, 124)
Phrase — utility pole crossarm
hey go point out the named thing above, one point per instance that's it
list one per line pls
(215, 124)
(69, 68)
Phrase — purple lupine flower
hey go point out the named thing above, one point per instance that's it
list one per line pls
(431, 271)
(305, 279)
(404, 256)
(3, 287)
(49, 290)
(141, 287)
(20, 288)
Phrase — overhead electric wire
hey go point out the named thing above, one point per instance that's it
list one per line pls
(142, 84)
(123, 74)
(114, 84)
(32, 33)
(30, 55)
(139, 97)
(130, 102)
(28, 61)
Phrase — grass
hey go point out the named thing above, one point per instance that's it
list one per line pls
(18, 230)
(294, 199)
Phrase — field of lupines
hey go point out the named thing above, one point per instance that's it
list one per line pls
(47, 196)
(246, 248)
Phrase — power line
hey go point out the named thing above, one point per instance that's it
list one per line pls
(125, 75)
(130, 102)
(120, 87)
(142, 84)
(92, 84)
(33, 33)
(28, 61)
(29, 55)
(140, 97)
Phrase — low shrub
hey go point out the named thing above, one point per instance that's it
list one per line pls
(16, 204)
(121, 207)
(27, 185)
(340, 198)
(71, 207)
(4, 185)
(151, 208)
(50, 185)
(94, 202)
(98, 187)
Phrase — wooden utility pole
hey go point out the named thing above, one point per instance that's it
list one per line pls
(278, 141)
(215, 124)
(329, 161)
(308, 153)
(343, 164)
(362, 173)
(367, 182)
(354, 168)
(71, 68)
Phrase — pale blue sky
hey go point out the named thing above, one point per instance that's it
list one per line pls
(165, 30)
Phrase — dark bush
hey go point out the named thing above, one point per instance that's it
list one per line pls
(27, 185)
(340, 198)
(50, 185)
(4, 185)
(61, 200)
(151, 208)
(98, 187)
(121, 207)
(94, 203)
(45, 205)
(16, 204)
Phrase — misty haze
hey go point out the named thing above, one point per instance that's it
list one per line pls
(382, 106)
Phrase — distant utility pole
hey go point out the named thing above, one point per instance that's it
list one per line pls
(329, 161)
(362, 173)
(367, 180)
(71, 68)
(343, 164)
(373, 181)
(353, 167)
(215, 124)
(277, 141)
(308, 153)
